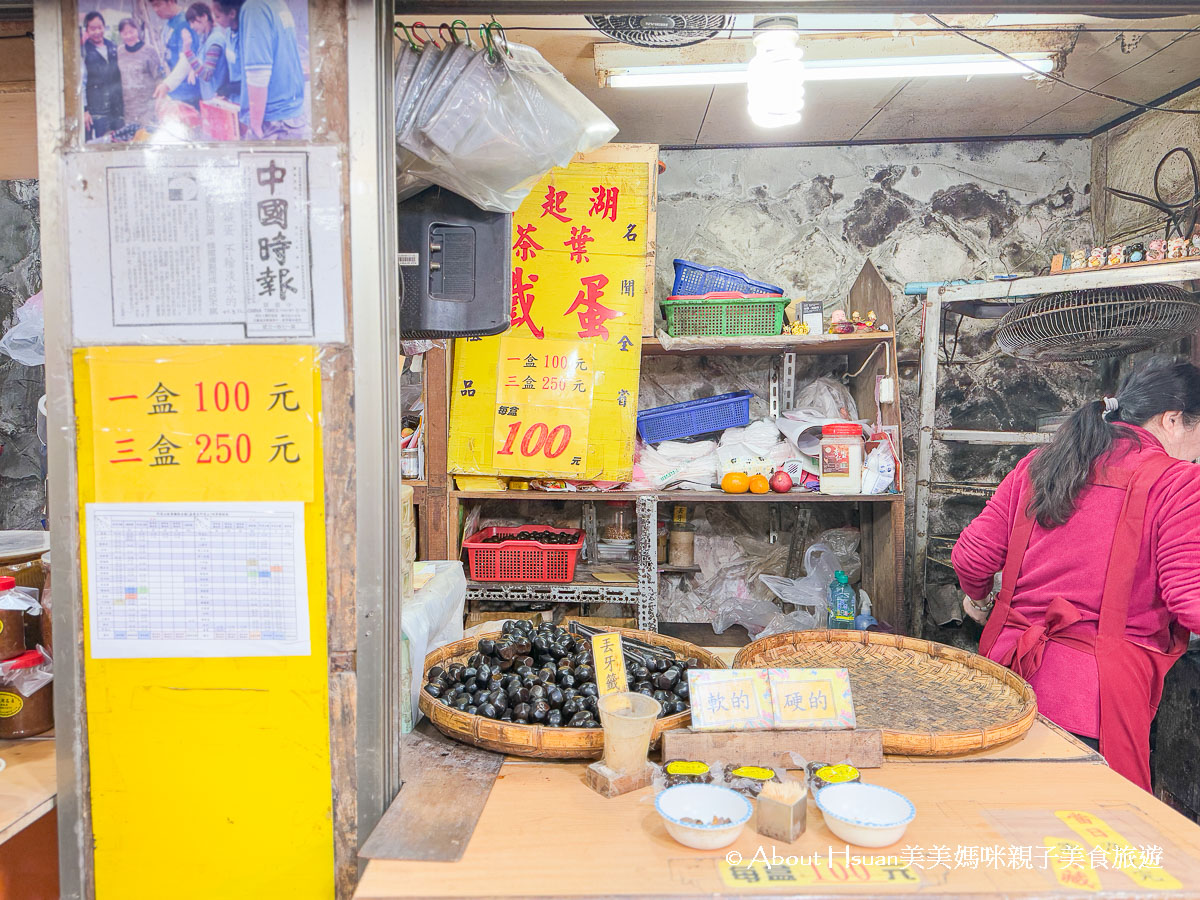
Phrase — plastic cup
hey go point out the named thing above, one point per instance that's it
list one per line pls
(628, 722)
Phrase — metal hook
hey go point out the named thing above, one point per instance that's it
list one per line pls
(495, 26)
(466, 32)
(408, 37)
(442, 29)
(429, 38)
(487, 46)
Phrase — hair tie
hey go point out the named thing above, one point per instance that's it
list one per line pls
(1110, 405)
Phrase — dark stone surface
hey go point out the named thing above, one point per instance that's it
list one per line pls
(1175, 763)
(22, 489)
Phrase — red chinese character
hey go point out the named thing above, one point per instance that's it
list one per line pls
(580, 238)
(526, 246)
(604, 204)
(1079, 818)
(593, 313)
(553, 205)
(522, 302)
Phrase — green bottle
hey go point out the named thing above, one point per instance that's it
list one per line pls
(841, 602)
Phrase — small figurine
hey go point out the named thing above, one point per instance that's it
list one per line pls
(800, 327)
(1078, 259)
(1135, 252)
(1097, 257)
(871, 326)
(1116, 254)
(1177, 248)
(1194, 249)
(839, 324)
(862, 325)
(1158, 250)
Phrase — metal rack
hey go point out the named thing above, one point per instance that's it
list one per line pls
(990, 300)
(881, 515)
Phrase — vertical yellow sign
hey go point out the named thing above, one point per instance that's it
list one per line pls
(609, 662)
(556, 394)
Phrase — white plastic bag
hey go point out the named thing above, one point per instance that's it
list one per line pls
(844, 543)
(674, 463)
(879, 471)
(25, 342)
(811, 592)
(506, 120)
(755, 450)
(433, 618)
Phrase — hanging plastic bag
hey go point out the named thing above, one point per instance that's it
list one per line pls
(433, 617)
(25, 342)
(507, 119)
(844, 543)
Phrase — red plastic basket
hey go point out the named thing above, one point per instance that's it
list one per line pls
(522, 560)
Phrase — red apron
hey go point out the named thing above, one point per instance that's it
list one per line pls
(1130, 676)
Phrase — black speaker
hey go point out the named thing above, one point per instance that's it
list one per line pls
(455, 263)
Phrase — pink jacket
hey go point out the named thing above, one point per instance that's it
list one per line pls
(1070, 562)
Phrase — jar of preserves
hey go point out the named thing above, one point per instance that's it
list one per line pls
(26, 695)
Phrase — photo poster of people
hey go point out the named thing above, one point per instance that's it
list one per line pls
(169, 71)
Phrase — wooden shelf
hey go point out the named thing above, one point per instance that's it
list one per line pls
(668, 569)
(683, 496)
(808, 345)
(1075, 280)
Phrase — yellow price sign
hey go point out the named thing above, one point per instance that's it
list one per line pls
(811, 698)
(1143, 865)
(609, 662)
(556, 395)
(816, 871)
(1069, 860)
(202, 423)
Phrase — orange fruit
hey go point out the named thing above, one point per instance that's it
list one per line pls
(735, 482)
(759, 484)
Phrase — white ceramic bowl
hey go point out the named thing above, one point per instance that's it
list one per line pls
(703, 802)
(865, 814)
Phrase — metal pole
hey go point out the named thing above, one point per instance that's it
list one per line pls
(932, 326)
(377, 410)
(53, 62)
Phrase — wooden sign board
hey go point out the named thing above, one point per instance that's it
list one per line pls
(770, 699)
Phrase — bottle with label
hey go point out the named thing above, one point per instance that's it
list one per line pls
(841, 602)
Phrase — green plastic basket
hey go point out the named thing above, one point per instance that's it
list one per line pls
(724, 314)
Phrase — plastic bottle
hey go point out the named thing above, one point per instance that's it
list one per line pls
(841, 602)
(864, 619)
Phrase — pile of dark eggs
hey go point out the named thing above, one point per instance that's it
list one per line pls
(543, 675)
(544, 537)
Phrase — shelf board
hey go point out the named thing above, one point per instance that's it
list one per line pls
(668, 569)
(1076, 280)
(993, 438)
(804, 345)
(684, 496)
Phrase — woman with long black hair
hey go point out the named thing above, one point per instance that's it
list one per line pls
(1098, 538)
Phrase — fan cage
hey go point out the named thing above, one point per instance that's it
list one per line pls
(1099, 323)
(661, 30)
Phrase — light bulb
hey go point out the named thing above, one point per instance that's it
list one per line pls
(775, 79)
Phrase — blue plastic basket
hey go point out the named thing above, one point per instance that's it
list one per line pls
(693, 279)
(680, 420)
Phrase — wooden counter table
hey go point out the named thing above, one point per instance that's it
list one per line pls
(984, 827)
(28, 822)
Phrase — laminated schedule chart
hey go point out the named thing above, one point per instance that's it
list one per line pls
(197, 579)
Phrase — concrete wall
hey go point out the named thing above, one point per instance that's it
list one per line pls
(809, 217)
(22, 490)
(1125, 158)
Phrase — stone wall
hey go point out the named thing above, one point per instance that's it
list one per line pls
(22, 489)
(809, 217)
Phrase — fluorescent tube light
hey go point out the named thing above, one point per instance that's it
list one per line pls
(835, 69)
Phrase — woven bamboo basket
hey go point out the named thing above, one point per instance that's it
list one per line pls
(929, 699)
(539, 741)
